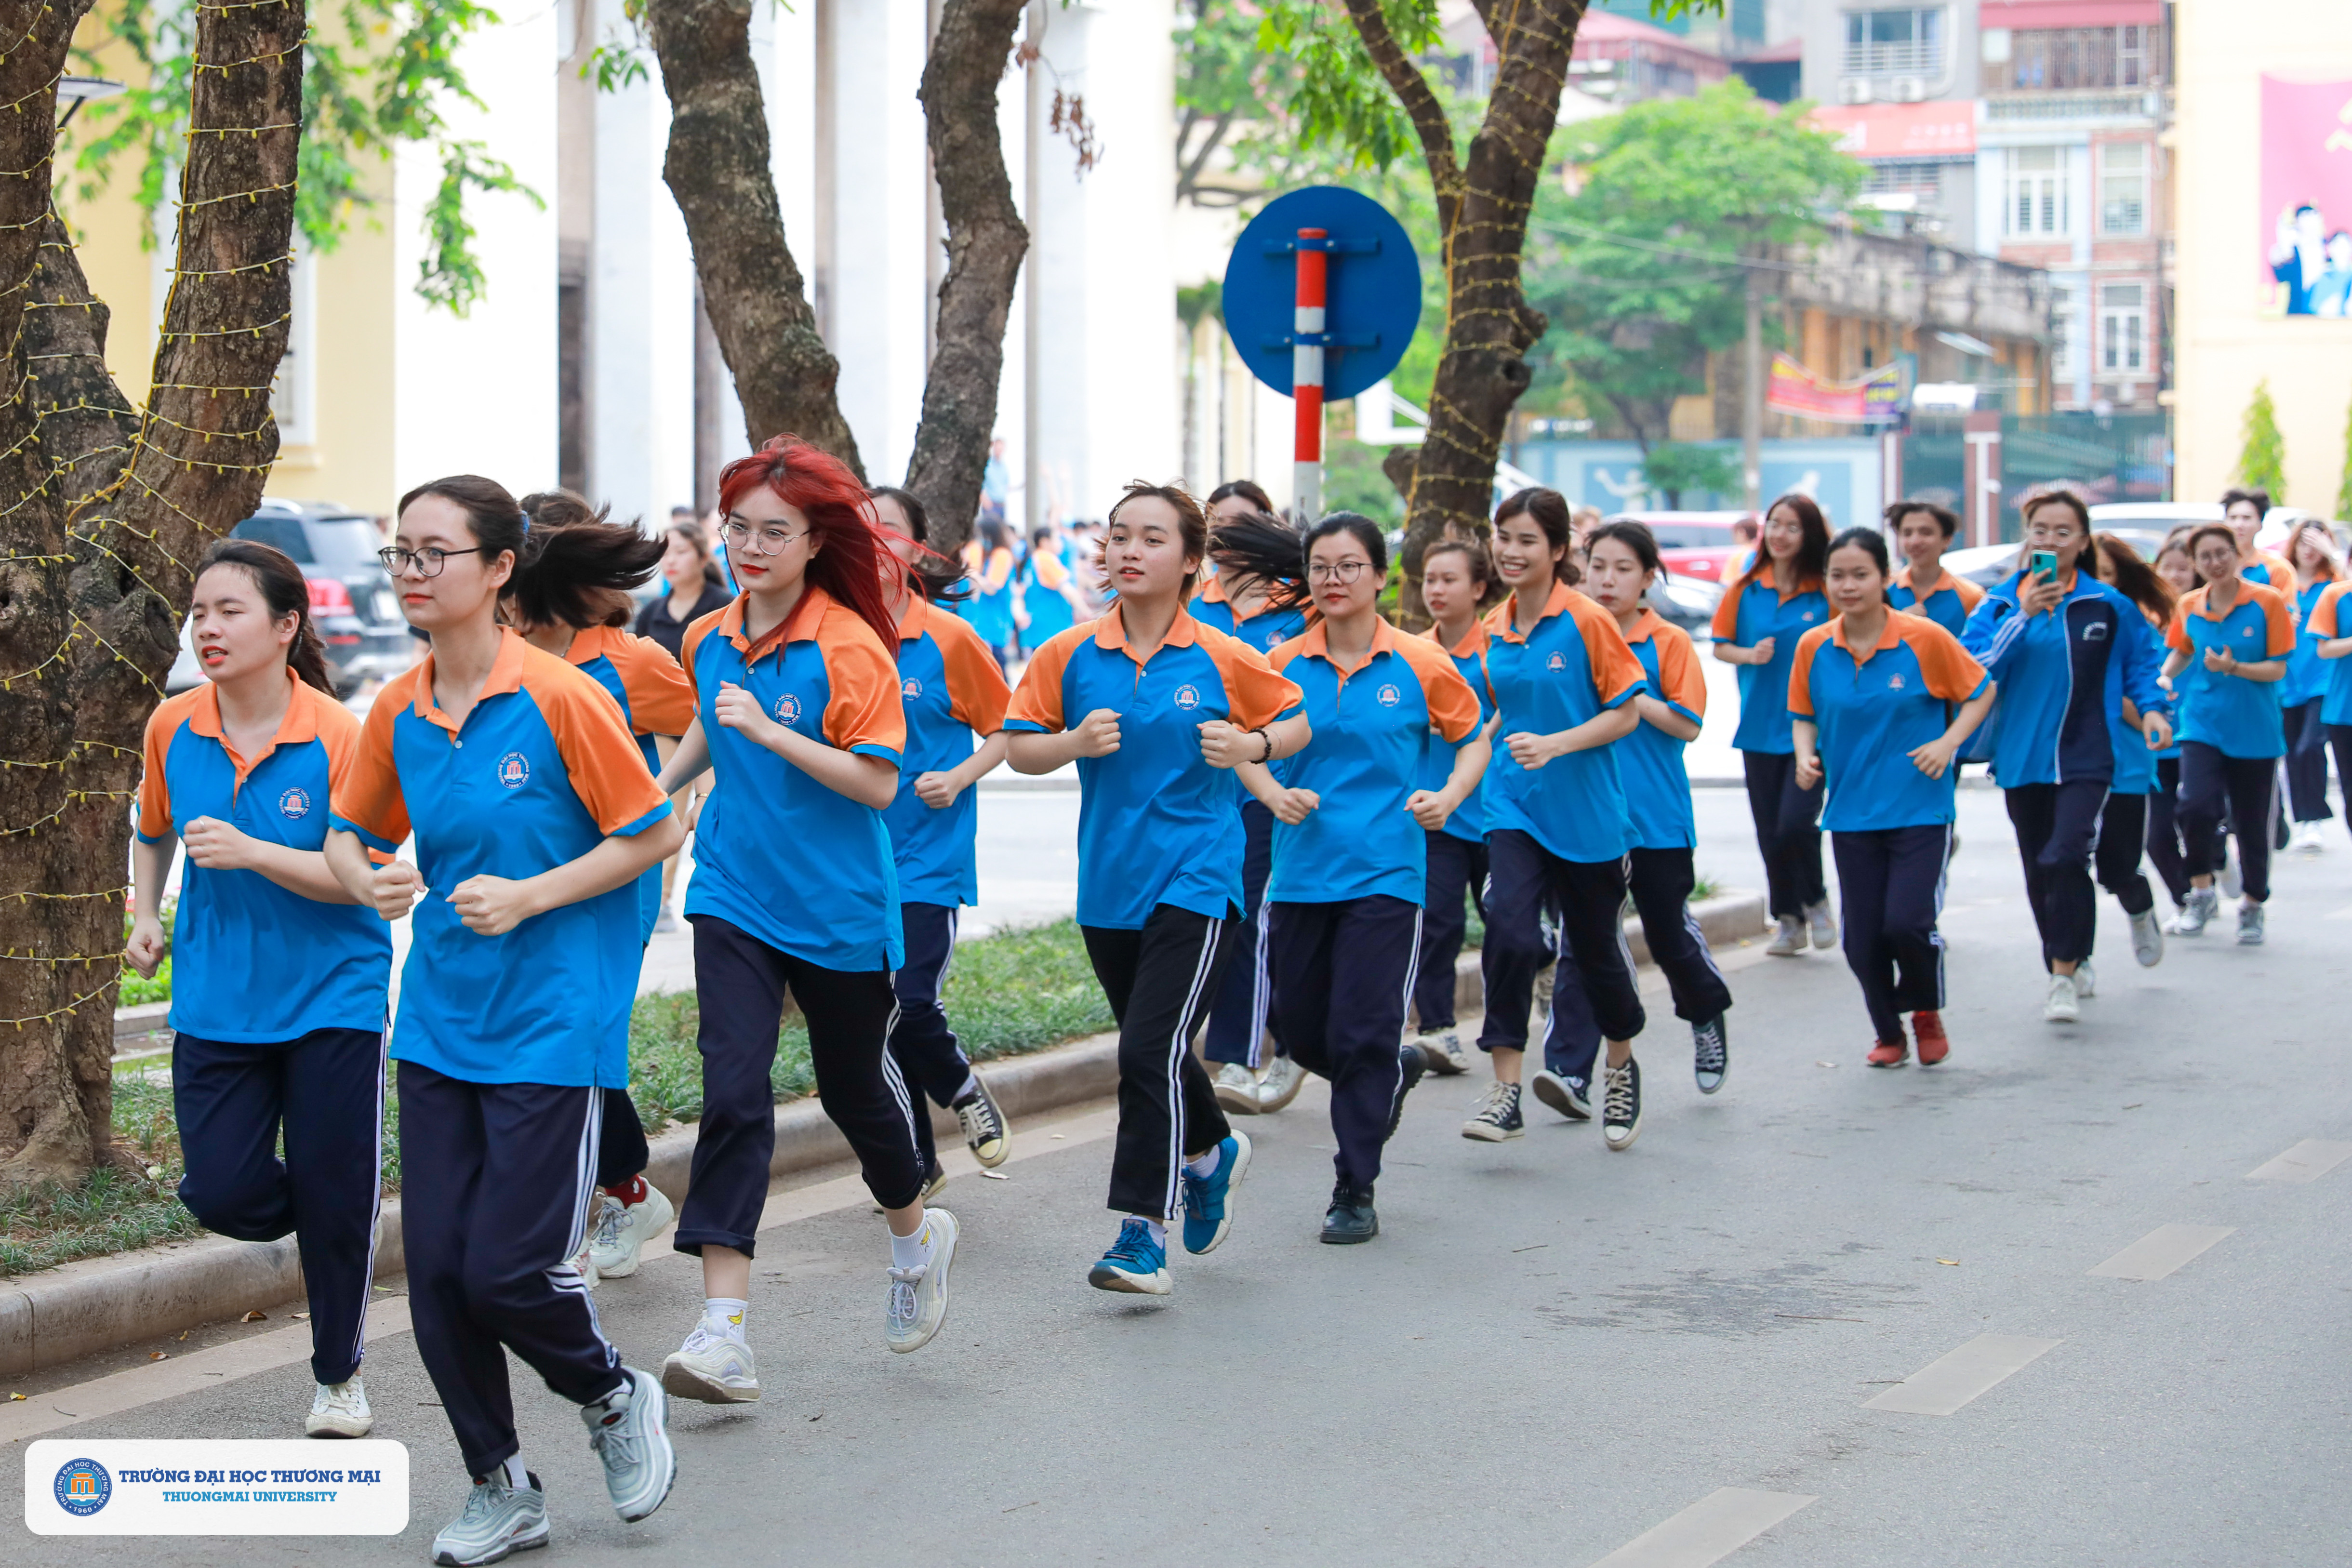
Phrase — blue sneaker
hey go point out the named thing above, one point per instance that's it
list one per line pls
(1208, 1200)
(1135, 1264)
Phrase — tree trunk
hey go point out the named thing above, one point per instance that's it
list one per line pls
(716, 167)
(106, 510)
(986, 242)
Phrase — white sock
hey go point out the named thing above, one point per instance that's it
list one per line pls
(723, 1315)
(970, 1086)
(517, 1474)
(907, 1251)
(1158, 1231)
(1206, 1165)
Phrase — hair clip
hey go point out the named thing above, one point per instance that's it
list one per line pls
(526, 523)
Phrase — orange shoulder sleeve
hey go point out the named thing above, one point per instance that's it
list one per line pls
(366, 794)
(1679, 669)
(2280, 617)
(701, 628)
(1037, 703)
(1257, 694)
(661, 698)
(1454, 710)
(1800, 668)
(1952, 673)
(977, 695)
(600, 755)
(1725, 625)
(865, 713)
(2176, 636)
(2322, 613)
(1617, 670)
(154, 789)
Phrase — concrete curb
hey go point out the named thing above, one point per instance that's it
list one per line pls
(83, 1308)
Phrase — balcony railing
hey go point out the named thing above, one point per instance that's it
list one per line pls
(1895, 60)
(2119, 105)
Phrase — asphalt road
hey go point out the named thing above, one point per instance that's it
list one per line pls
(1553, 1350)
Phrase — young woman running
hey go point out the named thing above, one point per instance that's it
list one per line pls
(555, 610)
(1157, 710)
(240, 772)
(1049, 590)
(1923, 530)
(1758, 622)
(534, 817)
(1558, 827)
(2069, 652)
(1882, 702)
(2165, 850)
(1456, 578)
(2245, 510)
(2230, 642)
(1620, 564)
(1239, 498)
(954, 698)
(798, 715)
(690, 572)
(988, 564)
(2302, 696)
(2125, 821)
(1257, 597)
(1348, 848)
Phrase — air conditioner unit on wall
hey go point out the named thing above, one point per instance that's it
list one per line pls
(1907, 90)
(1854, 90)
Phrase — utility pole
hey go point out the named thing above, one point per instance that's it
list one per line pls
(1751, 402)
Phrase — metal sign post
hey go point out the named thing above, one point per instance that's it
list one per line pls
(1307, 376)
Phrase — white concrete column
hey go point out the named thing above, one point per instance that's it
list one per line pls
(880, 188)
(1135, 420)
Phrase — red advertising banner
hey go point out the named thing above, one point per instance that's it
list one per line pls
(1901, 130)
(2306, 240)
(1793, 389)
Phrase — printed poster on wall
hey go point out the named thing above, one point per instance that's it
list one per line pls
(2306, 211)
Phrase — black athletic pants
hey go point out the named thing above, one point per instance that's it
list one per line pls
(2340, 740)
(2249, 786)
(926, 1049)
(1524, 879)
(1457, 867)
(1661, 881)
(324, 1091)
(1159, 980)
(2165, 850)
(2123, 829)
(2307, 761)
(2055, 824)
(621, 1147)
(1890, 892)
(1788, 833)
(493, 1209)
(1241, 1009)
(1343, 972)
(738, 983)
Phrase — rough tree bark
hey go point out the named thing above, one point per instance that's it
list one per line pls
(986, 242)
(103, 511)
(1483, 203)
(716, 167)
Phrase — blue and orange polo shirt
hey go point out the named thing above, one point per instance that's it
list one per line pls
(779, 856)
(1264, 628)
(952, 693)
(254, 962)
(1948, 604)
(655, 699)
(1747, 614)
(1570, 667)
(1871, 708)
(1373, 724)
(1469, 822)
(2273, 571)
(1157, 825)
(2237, 717)
(2336, 701)
(1657, 786)
(542, 769)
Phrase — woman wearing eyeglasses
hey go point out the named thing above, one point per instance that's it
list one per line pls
(796, 688)
(534, 817)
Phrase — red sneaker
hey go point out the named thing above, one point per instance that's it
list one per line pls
(1888, 1054)
(1927, 1028)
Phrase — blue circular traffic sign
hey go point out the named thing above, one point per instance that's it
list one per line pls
(1372, 300)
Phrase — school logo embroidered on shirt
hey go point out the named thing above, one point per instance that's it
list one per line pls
(295, 803)
(1894, 683)
(910, 688)
(1186, 696)
(1557, 661)
(788, 708)
(1389, 696)
(514, 770)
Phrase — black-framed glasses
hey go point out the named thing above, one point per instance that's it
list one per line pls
(767, 540)
(428, 560)
(1345, 571)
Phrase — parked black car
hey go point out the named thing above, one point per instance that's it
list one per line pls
(351, 598)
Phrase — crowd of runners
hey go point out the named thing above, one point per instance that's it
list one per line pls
(1289, 806)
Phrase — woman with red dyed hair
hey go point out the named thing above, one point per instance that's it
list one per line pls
(798, 712)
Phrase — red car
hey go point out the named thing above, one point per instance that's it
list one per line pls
(1696, 543)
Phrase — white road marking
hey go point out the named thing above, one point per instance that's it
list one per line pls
(1943, 1385)
(2161, 1252)
(2306, 1162)
(1710, 1530)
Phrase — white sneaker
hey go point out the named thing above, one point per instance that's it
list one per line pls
(713, 1368)
(2148, 939)
(1790, 940)
(2306, 838)
(1823, 925)
(2063, 1007)
(1443, 1052)
(622, 1229)
(340, 1410)
(2086, 981)
(583, 1262)
(2231, 880)
(1283, 1081)
(2249, 925)
(1236, 1089)
(919, 1296)
(2196, 913)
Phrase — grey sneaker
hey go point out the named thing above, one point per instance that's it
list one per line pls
(2062, 1005)
(984, 1130)
(2086, 981)
(1444, 1052)
(1283, 1081)
(2196, 913)
(629, 1430)
(1236, 1089)
(919, 1296)
(1823, 925)
(2148, 939)
(1790, 940)
(497, 1519)
(1497, 1116)
(1568, 1096)
(2249, 925)
(1710, 1053)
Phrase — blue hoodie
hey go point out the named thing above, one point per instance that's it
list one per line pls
(2063, 677)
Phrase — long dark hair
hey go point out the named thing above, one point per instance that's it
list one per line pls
(287, 593)
(2137, 580)
(699, 538)
(1635, 537)
(1259, 544)
(1812, 552)
(1249, 490)
(492, 514)
(1551, 511)
(577, 566)
(930, 573)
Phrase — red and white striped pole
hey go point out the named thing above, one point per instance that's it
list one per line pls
(1307, 378)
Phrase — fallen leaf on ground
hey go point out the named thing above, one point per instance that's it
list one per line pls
(302, 1317)
(256, 1316)
(995, 1176)
(1949, 1262)
(157, 1355)
(1819, 1064)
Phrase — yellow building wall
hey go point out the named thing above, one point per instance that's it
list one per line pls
(2224, 345)
(109, 230)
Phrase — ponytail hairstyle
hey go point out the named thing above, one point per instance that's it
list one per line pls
(1249, 490)
(1474, 558)
(1813, 551)
(1191, 524)
(930, 573)
(1869, 540)
(1549, 509)
(851, 559)
(492, 514)
(576, 568)
(2136, 580)
(1635, 537)
(1261, 546)
(287, 593)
